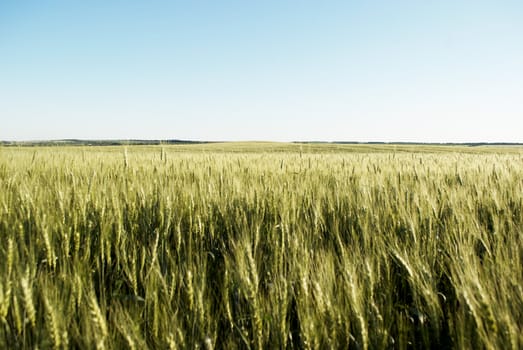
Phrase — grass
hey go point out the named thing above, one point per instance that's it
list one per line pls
(261, 245)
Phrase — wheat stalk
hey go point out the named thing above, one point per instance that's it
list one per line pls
(28, 299)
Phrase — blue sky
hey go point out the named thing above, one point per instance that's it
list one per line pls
(439, 71)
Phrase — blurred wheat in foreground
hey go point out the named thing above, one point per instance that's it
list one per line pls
(261, 246)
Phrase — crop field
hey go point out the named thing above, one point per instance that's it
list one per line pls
(261, 245)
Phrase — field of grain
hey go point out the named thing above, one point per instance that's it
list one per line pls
(261, 246)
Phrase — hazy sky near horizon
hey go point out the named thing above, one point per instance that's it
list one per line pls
(438, 71)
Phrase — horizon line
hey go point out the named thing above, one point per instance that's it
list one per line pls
(138, 141)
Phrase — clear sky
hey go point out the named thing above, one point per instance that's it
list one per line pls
(431, 71)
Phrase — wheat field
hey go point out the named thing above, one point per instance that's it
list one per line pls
(261, 245)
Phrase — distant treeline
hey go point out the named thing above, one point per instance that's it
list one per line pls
(77, 142)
